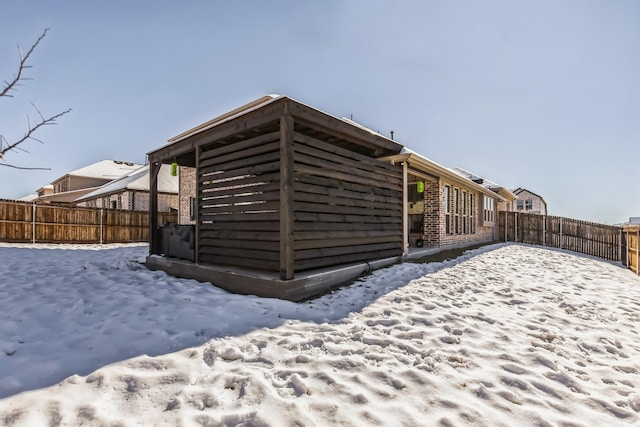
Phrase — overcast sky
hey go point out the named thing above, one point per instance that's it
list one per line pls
(543, 95)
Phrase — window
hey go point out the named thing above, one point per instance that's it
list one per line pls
(447, 208)
(472, 214)
(456, 210)
(489, 209)
(528, 204)
(520, 204)
(465, 212)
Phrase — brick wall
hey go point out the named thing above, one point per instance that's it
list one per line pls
(187, 190)
(166, 202)
(435, 218)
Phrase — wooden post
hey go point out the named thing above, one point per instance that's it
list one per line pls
(515, 232)
(286, 196)
(101, 215)
(154, 234)
(560, 241)
(626, 248)
(405, 209)
(506, 226)
(620, 246)
(196, 248)
(33, 224)
(638, 250)
(544, 230)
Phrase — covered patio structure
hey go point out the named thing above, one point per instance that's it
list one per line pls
(289, 200)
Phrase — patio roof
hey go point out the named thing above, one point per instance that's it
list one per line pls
(261, 116)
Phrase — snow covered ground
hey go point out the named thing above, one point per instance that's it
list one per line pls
(504, 335)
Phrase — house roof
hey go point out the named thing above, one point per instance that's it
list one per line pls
(246, 108)
(28, 198)
(433, 168)
(104, 169)
(65, 196)
(504, 192)
(137, 180)
(520, 190)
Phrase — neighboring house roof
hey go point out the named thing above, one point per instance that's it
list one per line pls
(520, 190)
(66, 196)
(104, 169)
(28, 198)
(490, 185)
(436, 169)
(137, 180)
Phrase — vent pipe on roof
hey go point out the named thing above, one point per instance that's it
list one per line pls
(391, 134)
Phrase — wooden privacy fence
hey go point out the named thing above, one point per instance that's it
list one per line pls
(631, 236)
(32, 222)
(600, 240)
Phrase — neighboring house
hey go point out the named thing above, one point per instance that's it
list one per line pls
(277, 191)
(528, 202)
(80, 182)
(131, 192)
(45, 190)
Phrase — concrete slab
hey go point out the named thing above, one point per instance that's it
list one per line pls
(265, 284)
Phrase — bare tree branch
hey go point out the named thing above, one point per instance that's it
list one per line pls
(24, 168)
(28, 135)
(6, 146)
(18, 77)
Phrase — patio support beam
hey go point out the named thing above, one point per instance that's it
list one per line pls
(154, 234)
(286, 196)
(405, 210)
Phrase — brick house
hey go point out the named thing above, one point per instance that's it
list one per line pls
(446, 207)
(286, 201)
(80, 182)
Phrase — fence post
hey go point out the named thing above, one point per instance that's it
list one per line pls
(506, 226)
(638, 251)
(544, 230)
(101, 212)
(33, 223)
(626, 249)
(620, 246)
(560, 242)
(515, 228)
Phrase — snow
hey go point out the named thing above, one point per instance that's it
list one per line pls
(504, 335)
